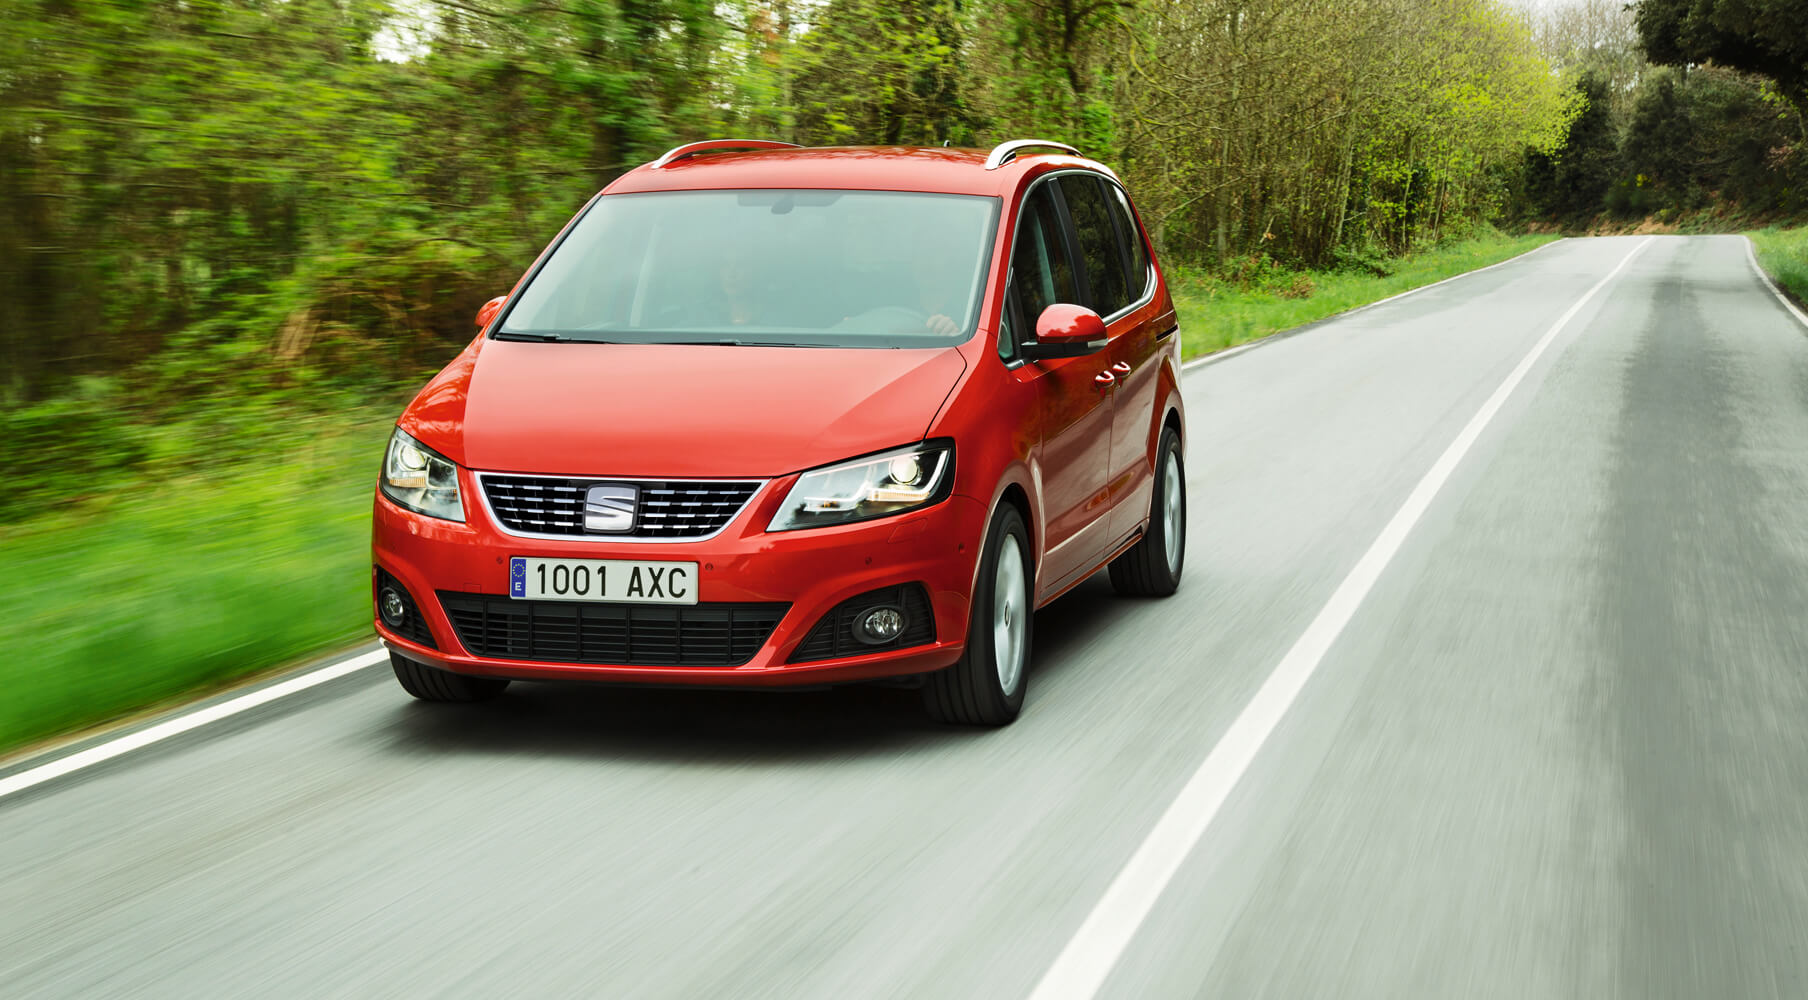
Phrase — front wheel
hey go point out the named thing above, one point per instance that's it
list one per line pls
(1151, 568)
(432, 684)
(986, 687)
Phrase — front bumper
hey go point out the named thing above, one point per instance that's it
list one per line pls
(812, 570)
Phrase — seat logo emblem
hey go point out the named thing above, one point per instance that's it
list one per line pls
(610, 508)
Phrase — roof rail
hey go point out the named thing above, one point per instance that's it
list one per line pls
(1005, 151)
(708, 145)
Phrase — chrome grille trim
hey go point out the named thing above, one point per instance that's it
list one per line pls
(555, 504)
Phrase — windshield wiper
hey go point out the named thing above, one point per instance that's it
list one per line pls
(538, 338)
(733, 342)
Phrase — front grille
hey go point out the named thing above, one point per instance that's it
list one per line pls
(834, 635)
(413, 627)
(545, 505)
(696, 635)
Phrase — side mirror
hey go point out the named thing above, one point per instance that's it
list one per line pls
(1065, 331)
(489, 311)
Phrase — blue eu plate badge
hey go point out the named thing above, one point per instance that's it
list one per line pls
(517, 576)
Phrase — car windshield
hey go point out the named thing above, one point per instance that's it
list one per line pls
(806, 268)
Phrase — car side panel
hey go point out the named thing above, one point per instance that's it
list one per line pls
(1136, 355)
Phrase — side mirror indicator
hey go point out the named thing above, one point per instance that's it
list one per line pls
(1066, 331)
(489, 311)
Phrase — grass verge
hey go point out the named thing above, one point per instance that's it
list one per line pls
(1217, 313)
(1784, 254)
(155, 591)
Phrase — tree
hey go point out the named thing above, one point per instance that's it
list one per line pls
(1767, 37)
(881, 72)
(1304, 131)
(1043, 68)
(1707, 139)
(1571, 184)
(1597, 37)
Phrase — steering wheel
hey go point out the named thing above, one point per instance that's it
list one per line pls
(891, 319)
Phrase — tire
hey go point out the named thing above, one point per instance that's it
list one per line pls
(979, 690)
(432, 684)
(1151, 568)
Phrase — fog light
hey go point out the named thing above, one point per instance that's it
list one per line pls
(879, 625)
(390, 606)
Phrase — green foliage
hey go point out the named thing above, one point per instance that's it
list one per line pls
(881, 72)
(1684, 144)
(1572, 183)
(324, 190)
(1767, 37)
(1046, 69)
(1709, 137)
(170, 164)
(1308, 132)
(64, 449)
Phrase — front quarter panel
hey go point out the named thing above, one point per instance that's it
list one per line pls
(994, 418)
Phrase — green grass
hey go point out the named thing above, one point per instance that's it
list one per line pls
(1784, 253)
(159, 590)
(1216, 313)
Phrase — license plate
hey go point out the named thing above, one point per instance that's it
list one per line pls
(627, 581)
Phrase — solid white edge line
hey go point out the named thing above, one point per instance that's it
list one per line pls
(1751, 254)
(1228, 352)
(99, 753)
(1353, 310)
(1089, 956)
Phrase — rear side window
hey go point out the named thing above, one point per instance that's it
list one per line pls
(1137, 251)
(1097, 236)
(1041, 272)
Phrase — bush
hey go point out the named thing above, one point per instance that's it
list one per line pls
(66, 449)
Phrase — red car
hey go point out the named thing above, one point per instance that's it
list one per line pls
(767, 415)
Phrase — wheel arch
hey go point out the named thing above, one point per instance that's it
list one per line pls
(1016, 489)
(1169, 411)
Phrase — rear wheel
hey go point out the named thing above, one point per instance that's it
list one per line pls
(986, 687)
(1151, 568)
(432, 684)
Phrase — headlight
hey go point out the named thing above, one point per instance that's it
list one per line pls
(421, 479)
(881, 485)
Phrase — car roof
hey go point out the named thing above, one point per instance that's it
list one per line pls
(868, 168)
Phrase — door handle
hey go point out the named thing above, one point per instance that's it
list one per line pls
(1104, 380)
(1122, 368)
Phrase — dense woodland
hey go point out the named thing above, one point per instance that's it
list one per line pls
(1691, 112)
(240, 201)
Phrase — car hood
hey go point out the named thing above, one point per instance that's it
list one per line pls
(683, 410)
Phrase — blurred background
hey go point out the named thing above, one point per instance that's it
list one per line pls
(236, 235)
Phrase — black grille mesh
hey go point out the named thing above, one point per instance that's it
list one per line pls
(834, 635)
(549, 506)
(697, 635)
(413, 627)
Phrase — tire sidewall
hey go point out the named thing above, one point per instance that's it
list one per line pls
(1169, 455)
(982, 654)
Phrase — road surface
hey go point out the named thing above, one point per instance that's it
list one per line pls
(1558, 748)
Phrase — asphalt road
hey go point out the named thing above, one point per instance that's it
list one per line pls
(1560, 749)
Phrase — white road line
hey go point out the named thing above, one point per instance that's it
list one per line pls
(1229, 352)
(1347, 313)
(183, 723)
(1752, 255)
(1080, 970)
